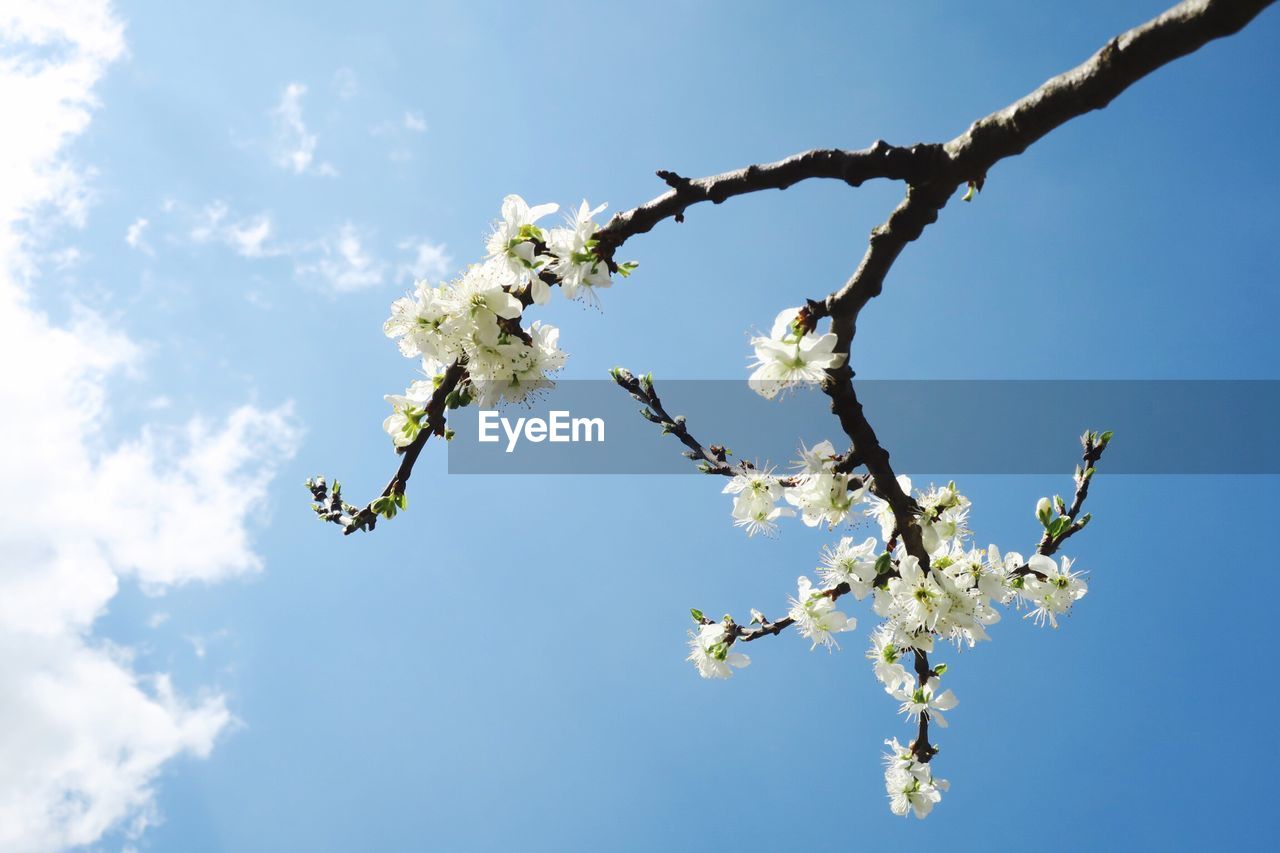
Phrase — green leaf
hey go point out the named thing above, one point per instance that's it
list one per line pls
(696, 614)
(384, 506)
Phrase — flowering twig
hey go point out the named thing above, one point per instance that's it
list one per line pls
(331, 507)
(1070, 522)
(714, 458)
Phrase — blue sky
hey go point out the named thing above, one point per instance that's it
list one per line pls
(502, 668)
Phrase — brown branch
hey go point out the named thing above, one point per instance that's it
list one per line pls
(330, 506)
(882, 160)
(1094, 444)
(736, 633)
(884, 482)
(968, 157)
(715, 457)
(923, 750)
(1093, 84)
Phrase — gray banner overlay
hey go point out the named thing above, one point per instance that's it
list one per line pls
(929, 426)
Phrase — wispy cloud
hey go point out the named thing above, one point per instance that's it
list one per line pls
(342, 261)
(248, 237)
(294, 145)
(134, 236)
(84, 733)
(427, 260)
(400, 134)
(415, 122)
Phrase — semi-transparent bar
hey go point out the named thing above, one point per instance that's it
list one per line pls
(929, 426)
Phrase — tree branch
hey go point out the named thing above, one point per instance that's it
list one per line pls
(933, 172)
(715, 457)
(968, 157)
(882, 160)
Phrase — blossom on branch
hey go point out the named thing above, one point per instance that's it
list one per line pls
(791, 356)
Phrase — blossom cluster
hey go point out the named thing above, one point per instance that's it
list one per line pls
(475, 319)
(819, 491)
(910, 783)
(955, 596)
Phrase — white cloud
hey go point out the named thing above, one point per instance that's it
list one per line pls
(246, 236)
(428, 260)
(342, 259)
(415, 122)
(343, 262)
(294, 144)
(83, 733)
(133, 236)
(50, 100)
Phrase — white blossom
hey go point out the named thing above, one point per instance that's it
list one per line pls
(709, 651)
(886, 656)
(514, 240)
(512, 369)
(1054, 595)
(913, 598)
(910, 783)
(407, 412)
(576, 264)
(852, 564)
(816, 617)
(756, 494)
(791, 356)
(416, 322)
(925, 699)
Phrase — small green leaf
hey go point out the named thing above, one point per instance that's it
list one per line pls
(696, 614)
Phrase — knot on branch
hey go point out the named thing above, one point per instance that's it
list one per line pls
(673, 180)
